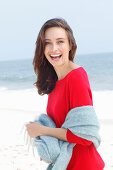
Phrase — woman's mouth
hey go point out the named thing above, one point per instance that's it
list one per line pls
(55, 57)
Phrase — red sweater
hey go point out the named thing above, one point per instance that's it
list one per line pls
(70, 92)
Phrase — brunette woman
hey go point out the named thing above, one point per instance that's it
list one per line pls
(67, 87)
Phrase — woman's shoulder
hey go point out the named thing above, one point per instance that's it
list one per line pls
(78, 83)
(77, 74)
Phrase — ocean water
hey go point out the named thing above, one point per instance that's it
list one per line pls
(19, 74)
(19, 95)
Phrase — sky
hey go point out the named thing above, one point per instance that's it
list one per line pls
(21, 20)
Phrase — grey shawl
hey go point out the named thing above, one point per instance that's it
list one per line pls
(81, 121)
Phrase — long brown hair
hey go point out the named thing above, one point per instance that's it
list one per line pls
(46, 75)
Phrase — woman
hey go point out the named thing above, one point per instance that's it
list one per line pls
(67, 86)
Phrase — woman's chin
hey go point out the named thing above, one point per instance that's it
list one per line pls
(56, 63)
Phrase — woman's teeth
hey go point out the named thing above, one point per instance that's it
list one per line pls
(55, 56)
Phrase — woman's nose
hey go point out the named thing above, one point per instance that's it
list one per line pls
(54, 47)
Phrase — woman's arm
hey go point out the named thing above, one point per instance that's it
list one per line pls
(59, 133)
(35, 129)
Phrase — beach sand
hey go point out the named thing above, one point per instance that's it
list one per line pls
(14, 154)
(19, 107)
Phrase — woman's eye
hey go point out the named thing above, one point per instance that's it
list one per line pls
(46, 43)
(60, 42)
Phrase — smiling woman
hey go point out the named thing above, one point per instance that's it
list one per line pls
(55, 39)
(70, 117)
(56, 49)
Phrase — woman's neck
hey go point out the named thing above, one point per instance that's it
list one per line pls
(65, 69)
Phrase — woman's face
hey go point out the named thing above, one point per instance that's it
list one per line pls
(56, 46)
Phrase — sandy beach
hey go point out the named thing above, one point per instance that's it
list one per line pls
(14, 154)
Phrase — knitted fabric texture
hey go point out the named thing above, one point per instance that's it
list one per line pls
(81, 121)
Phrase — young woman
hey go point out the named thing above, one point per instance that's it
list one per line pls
(67, 86)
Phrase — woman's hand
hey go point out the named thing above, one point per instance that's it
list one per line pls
(34, 129)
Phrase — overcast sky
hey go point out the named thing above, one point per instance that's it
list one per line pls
(21, 20)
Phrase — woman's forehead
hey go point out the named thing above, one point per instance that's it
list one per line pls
(55, 33)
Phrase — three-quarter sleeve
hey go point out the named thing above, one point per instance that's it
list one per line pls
(79, 95)
(71, 138)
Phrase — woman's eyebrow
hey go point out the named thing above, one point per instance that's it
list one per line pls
(60, 38)
(56, 39)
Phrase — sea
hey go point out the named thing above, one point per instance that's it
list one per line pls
(17, 78)
(19, 74)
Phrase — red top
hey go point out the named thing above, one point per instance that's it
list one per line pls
(70, 92)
